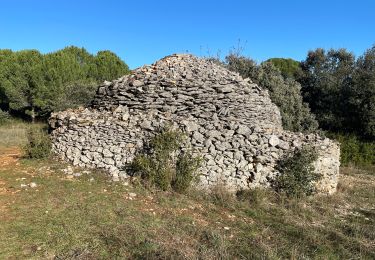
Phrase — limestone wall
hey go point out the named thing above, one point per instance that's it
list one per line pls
(229, 121)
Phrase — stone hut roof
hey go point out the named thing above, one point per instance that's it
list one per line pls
(185, 85)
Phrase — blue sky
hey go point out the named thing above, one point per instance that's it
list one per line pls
(141, 32)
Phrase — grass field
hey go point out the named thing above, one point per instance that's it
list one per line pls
(13, 134)
(88, 217)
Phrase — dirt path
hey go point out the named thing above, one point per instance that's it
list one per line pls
(9, 157)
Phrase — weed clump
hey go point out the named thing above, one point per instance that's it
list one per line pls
(297, 173)
(355, 151)
(164, 164)
(38, 144)
(256, 197)
(4, 117)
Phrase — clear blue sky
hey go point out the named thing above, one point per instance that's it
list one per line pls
(141, 32)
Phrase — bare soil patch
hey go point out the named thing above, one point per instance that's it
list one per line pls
(9, 156)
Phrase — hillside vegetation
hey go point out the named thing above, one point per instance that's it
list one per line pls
(33, 85)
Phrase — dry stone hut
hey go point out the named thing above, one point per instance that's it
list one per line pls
(230, 122)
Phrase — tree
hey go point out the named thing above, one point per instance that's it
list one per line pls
(289, 68)
(32, 84)
(68, 65)
(326, 79)
(285, 93)
(75, 94)
(362, 94)
(62, 69)
(22, 81)
(4, 55)
(109, 66)
(72, 75)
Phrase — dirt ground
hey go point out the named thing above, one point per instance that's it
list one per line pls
(9, 157)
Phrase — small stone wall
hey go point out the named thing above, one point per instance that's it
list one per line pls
(229, 121)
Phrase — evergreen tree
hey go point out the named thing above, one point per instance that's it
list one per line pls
(22, 81)
(109, 66)
(4, 55)
(289, 68)
(362, 94)
(32, 84)
(326, 79)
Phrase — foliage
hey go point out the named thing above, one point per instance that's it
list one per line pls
(289, 68)
(285, 93)
(186, 168)
(4, 117)
(297, 173)
(21, 80)
(338, 88)
(164, 165)
(38, 144)
(109, 66)
(362, 94)
(325, 80)
(33, 84)
(246, 67)
(355, 151)
(76, 94)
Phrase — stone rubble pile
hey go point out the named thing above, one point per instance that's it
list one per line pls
(229, 121)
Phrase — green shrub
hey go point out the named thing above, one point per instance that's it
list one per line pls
(38, 144)
(297, 173)
(186, 167)
(4, 117)
(164, 165)
(355, 151)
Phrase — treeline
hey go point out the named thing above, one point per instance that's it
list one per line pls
(331, 88)
(33, 85)
(340, 90)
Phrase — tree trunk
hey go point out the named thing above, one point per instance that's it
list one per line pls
(32, 115)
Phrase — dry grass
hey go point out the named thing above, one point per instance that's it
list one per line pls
(14, 133)
(85, 218)
(82, 219)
